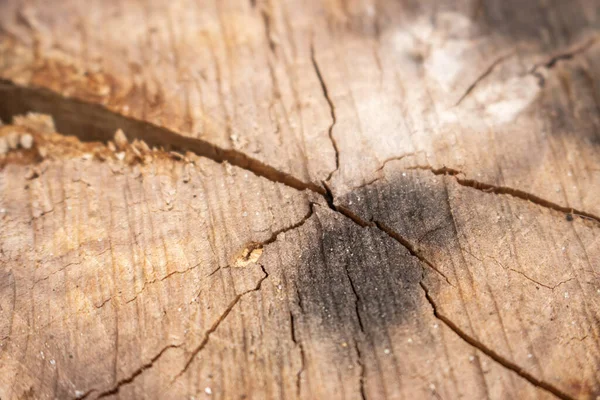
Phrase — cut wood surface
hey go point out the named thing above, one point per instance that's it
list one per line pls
(300, 199)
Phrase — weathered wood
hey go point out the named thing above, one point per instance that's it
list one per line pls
(344, 199)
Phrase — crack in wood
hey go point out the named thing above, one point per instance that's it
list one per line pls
(93, 122)
(520, 194)
(327, 97)
(92, 118)
(359, 361)
(274, 235)
(362, 376)
(524, 275)
(562, 56)
(116, 388)
(491, 353)
(103, 123)
(484, 75)
(216, 324)
(506, 190)
(302, 355)
(459, 332)
(411, 249)
(164, 278)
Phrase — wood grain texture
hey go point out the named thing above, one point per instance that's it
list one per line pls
(318, 199)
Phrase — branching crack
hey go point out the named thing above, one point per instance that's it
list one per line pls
(491, 353)
(463, 335)
(91, 121)
(115, 389)
(216, 324)
(331, 109)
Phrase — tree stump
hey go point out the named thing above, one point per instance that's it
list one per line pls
(322, 199)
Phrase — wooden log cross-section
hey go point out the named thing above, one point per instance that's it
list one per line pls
(285, 199)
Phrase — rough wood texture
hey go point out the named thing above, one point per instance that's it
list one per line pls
(317, 199)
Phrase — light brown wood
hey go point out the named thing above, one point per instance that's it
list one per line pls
(321, 199)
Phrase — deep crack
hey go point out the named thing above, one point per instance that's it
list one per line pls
(94, 122)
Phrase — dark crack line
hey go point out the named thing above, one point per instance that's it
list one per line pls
(380, 226)
(413, 252)
(356, 301)
(216, 324)
(94, 122)
(115, 389)
(464, 336)
(302, 355)
(505, 190)
(520, 194)
(91, 122)
(361, 365)
(484, 75)
(331, 109)
(214, 327)
(274, 235)
(491, 353)
(568, 54)
(362, 330)
(563, 56)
